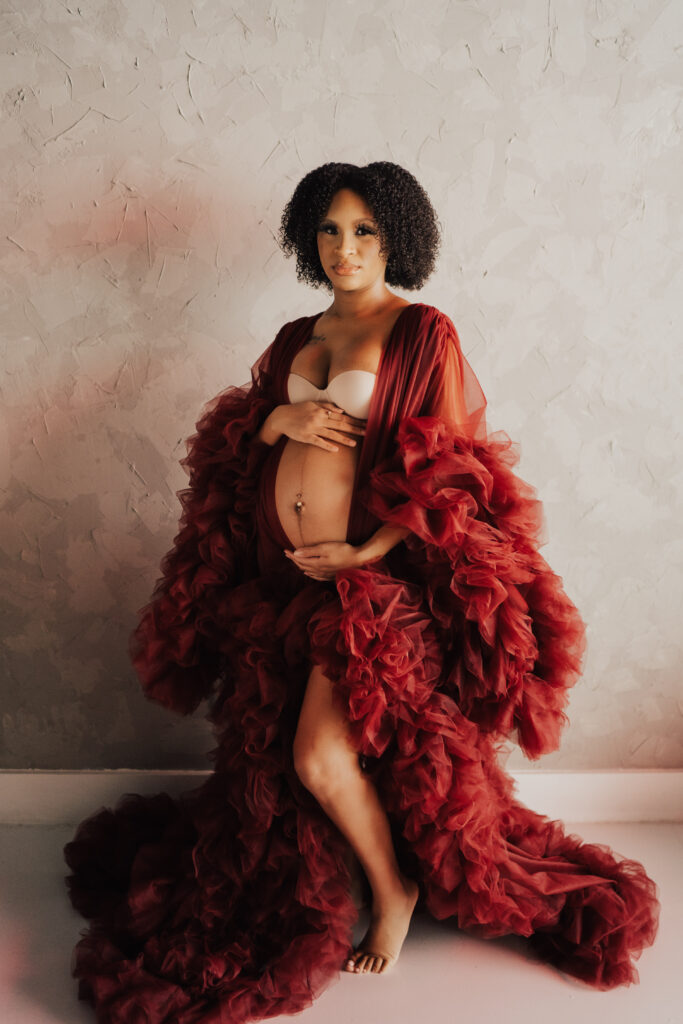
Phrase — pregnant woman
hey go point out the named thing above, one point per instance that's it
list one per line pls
(356, 588)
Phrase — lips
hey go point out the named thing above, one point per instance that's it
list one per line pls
(345, 268)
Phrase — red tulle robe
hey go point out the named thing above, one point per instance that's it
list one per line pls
(232, 902)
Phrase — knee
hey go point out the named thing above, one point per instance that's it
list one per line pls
(322, 768)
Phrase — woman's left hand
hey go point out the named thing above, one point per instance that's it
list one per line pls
(322, 561)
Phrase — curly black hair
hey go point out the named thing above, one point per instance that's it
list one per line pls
(408, 228)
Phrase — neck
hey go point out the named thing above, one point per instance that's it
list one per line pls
(359, 305)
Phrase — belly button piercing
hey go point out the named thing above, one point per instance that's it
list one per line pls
(299, 504)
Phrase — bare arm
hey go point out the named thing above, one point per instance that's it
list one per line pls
(269, 432)
(385, 538)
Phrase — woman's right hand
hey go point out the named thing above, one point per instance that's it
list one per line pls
(309, 422)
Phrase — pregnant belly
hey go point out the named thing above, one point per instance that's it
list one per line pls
(325, 480)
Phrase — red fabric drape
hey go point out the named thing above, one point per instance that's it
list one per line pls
(232, 902)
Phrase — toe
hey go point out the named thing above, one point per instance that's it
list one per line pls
(369, 964)
(377, 966)
(360, 963)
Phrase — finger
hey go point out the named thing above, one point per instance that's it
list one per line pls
(349, 423)
(307, 562)
(335, 432)
(341, 424)
(330, 411)
(339, 436)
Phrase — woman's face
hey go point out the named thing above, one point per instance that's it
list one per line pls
(348, 237)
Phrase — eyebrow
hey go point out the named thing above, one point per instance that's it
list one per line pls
(325, 220)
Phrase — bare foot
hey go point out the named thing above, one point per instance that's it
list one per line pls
(388, 928)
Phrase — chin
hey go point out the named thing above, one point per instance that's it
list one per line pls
(343, 284)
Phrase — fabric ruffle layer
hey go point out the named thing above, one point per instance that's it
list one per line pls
(233, 901)
(514, 640)
(177, 648)
(483, 858)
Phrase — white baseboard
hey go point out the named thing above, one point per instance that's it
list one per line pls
(43, 797)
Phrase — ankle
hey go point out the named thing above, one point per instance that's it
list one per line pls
(409, 884)
(402, 890)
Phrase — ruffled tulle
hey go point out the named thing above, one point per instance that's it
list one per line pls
(177, 647)
(232, 902)
(515, 641)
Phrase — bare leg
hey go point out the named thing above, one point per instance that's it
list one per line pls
(328, 766)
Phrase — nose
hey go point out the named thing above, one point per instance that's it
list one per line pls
(345, 245)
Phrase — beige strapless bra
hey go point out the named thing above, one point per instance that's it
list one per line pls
(350, 389)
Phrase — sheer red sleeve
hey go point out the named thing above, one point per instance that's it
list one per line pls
(514, 642)
(455, 396)
(176, 646)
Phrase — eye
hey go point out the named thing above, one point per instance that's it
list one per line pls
(327, 229)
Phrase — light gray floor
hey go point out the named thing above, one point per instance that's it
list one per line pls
(442, 975)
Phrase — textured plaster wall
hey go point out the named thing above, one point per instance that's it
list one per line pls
(148, 149)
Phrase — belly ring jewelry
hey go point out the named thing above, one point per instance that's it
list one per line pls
(299, 504)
